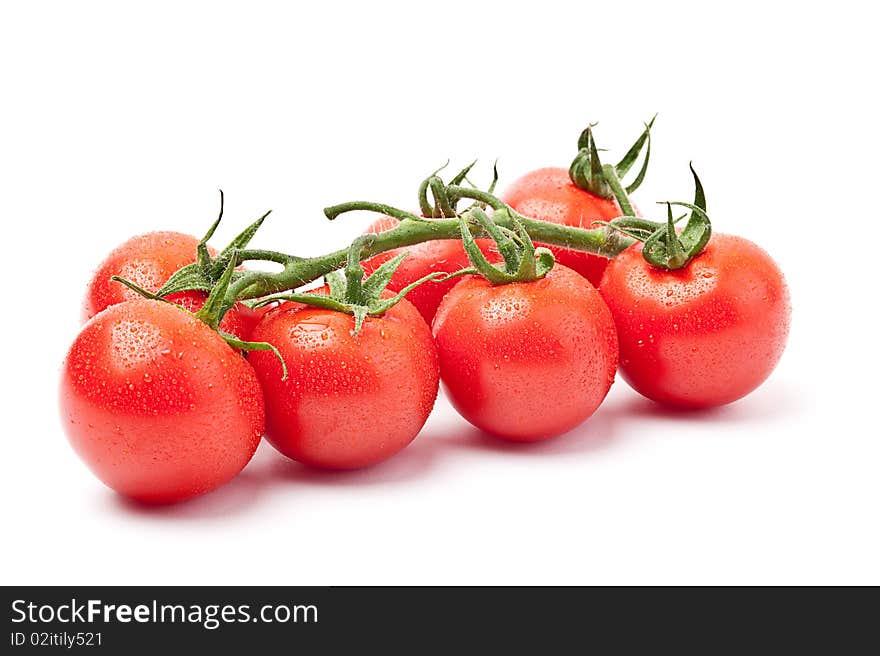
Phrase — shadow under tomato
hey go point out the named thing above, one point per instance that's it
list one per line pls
(595, 434)
(231, 499)
(410, 463)
(769, 402)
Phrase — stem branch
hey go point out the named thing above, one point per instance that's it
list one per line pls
(301, 271)
(611, 177)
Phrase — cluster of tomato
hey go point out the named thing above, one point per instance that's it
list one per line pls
(162, 408)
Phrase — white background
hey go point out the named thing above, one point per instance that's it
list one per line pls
(116, 121)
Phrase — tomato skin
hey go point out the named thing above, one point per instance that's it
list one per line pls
(526, 361)
(704, 335)
(158, 406)
(348, 402)
(549, 195)
(146, 260)
(439, 255)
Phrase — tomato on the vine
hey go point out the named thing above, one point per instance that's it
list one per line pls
(582, 195)
(548, 194)
(703, 335)
(435, 256)
(526, 360)
(157, 404)
(349, 400)
(439, 255)
(148, 261)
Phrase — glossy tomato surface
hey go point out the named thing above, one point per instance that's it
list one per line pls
(146, 260)
(439, 255)
(526, 361)
(549, 195)
(704, 335)
(349, 401)
(158, 406)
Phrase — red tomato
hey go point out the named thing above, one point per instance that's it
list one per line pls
(526, 361)
(148, 261)
(704, 335)
(157, 404)
(443, 255)
(549, 195)
(348, 401)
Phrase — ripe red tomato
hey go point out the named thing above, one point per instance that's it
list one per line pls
(348, 401)
(704, 335)
(148, 261)
(526, 361)
(156, 403)
(439, 255)
(549, 195)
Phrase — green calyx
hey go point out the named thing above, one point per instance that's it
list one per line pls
(216, 306)
(206, 271)
(215, 276)
(589, 173)
(664, 247)
(522, 262)
(212, 312)
(446, 197)
(354, 293)
(441, 204)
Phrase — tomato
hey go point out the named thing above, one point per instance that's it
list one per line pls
(526, 361)
(549, 195)
(704, 335)
(443, 255)
(148, 261)
(156, 403)
(349, 401)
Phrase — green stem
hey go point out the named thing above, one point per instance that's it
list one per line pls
(299, 272)
(380, 208)
(265, 256)
(611, 177)
(475, 194)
